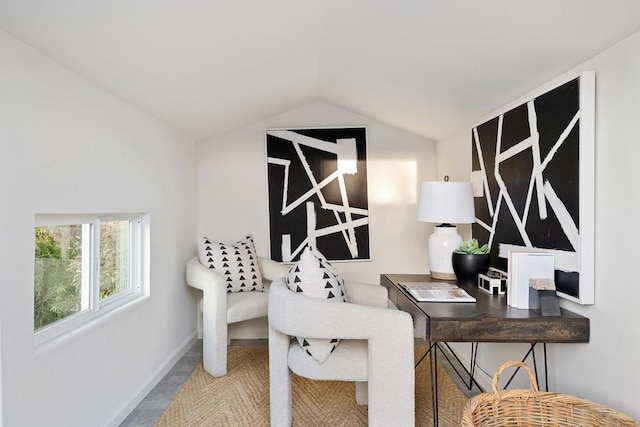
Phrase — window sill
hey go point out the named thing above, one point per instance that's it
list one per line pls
(58, 333)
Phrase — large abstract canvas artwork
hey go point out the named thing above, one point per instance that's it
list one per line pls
(533, 179)
(317, 182)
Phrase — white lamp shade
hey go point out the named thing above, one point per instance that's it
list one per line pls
(446, 202)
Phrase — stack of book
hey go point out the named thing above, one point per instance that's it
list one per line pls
(523, 266)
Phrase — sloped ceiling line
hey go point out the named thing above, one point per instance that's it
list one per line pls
(210, 66)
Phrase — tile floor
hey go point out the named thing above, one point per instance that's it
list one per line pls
(154, 404)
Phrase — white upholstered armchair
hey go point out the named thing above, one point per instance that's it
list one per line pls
(376, 350)
(219, 308)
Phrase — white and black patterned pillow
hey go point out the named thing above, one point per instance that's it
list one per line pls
(314, 277)
(236, 262)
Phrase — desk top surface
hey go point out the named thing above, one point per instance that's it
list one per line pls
(489, 319)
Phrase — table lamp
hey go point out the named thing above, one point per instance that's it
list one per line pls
(445, 203)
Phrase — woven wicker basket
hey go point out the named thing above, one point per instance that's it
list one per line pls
(521, 407)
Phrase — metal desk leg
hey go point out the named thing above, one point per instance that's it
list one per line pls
(532, 353)
(432, 349)
(546, 373)
(434, 381)
(469, 372)
(474, 356)
(426, 353)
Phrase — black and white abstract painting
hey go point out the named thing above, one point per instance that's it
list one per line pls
(533, 180)
(317, 181)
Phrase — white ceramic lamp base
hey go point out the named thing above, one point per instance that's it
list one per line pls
(444, 240)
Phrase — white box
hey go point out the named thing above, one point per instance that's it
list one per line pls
(494, 282)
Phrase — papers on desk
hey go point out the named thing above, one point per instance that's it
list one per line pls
(437, 292)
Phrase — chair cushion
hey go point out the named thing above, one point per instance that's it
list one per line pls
(314, 277)
(246, 305)
(236, 262)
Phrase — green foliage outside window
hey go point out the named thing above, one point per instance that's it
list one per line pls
(114, 262)
(58, 268)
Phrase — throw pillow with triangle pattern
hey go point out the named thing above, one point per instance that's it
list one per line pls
(314, 277)
(236, 262)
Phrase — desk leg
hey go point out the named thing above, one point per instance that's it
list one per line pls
(426, 353)
(469, 372)
(474, 355)
(546, 373)
(532, 353)
(433, 347)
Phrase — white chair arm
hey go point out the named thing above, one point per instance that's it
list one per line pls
(297, 315)
(214, 315)
(271, 270)
(365, 294)
(205, 279)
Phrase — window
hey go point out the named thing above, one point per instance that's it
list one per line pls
(84, 266)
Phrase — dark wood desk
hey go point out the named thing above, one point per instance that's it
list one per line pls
(489, 319)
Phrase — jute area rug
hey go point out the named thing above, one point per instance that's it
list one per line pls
(241, 398)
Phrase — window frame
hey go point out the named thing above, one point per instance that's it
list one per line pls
(92, 307)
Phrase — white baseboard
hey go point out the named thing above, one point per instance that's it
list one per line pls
(134, 400)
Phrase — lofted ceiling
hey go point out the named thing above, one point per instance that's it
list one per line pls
(207, 67)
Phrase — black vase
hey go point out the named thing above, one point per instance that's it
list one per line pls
(468, 266)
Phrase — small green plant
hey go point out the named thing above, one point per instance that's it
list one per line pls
(471, 247)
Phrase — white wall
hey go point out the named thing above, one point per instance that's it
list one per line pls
(232, 190)
(604, 369)
(69, 147)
